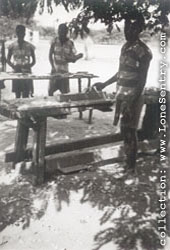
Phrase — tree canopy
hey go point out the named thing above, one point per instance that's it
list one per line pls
(109, 12)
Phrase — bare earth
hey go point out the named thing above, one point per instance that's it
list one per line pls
(87, 210)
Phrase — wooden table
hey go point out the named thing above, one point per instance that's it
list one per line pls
(78, 75)
(33, 113)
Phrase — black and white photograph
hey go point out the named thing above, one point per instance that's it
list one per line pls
(84, 124)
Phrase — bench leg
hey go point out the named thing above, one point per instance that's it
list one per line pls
(20, 141)
(38, 150)
(90, 109)
(80, 90)
(89, 83)
(90, 115)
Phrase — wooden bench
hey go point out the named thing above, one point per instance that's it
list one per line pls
(32, 113)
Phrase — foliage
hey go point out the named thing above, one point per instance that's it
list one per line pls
(108, 12)
(18, 8)
(8, 26)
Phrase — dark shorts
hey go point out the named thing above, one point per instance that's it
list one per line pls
(58, 84)
(24, 86)
(2, 85)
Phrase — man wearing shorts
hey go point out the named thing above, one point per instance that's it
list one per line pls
(21, 58)
(131, 78)
(62, 51)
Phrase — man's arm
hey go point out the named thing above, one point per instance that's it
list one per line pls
(101, 85)
(143, 71)
(9, 56)
(33, 58)
(111, 80)
(51, 56)
(73, 56)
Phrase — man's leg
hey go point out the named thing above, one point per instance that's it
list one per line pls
(64, 86)
(129, 133)
(52, 86)
(25, 94)
(130, 147)
(18, 94)
(27, 88)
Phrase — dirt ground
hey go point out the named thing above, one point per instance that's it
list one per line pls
(88, 210)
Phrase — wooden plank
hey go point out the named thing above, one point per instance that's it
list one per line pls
(29, 107)
(81, 96)
(73, 145)
(12, 76)
(73, 169)
(68, 160)
(88, 158)
(77, 160)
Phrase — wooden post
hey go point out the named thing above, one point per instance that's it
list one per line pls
(90, 115)
(38, 150)
(90, 109)
(3, 58)
(2, 63)
(80, 90)
(20, 141)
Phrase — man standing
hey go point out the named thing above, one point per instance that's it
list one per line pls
(62, 52)
(2, 62)
(131, 78)
(21, 58)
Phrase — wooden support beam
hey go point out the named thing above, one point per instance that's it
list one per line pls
(20, 142)
(72, 145)
(87, 159)
(38, 150)
(80, 90)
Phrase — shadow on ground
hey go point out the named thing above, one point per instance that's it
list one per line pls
(131, 209)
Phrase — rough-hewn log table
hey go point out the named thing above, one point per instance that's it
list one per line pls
(79, 76)
(33, 113)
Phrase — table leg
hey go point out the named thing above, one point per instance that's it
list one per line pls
(38, 151)
(90, 115)
(90, 109)
(80, 90)
(89, 83)
(20, 141)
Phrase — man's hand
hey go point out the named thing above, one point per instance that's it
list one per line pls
(99, 86)
(78, 56)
